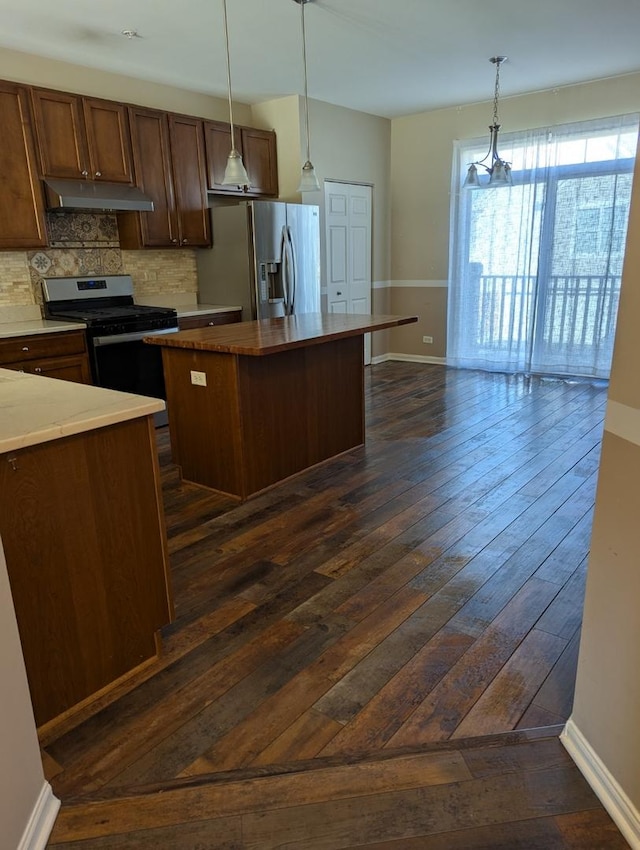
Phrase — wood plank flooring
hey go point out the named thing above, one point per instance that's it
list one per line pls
(524, 793)
(425, 588)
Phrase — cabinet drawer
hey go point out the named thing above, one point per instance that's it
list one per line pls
(187, 323)
(74, 368)
(42, 345)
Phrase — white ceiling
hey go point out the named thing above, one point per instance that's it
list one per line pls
(386, 57)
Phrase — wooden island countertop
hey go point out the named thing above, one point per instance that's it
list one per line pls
(252, 403)
(268, 336)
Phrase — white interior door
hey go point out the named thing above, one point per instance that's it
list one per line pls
(348, 250)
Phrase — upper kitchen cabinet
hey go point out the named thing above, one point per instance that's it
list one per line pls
(258, 150)
(82, 137)
(22, 216)
(168, 154)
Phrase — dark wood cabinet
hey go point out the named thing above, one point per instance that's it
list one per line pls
(169, 161)
(56, 355)
(258, 150)
(189, 174)
(260, 160)
(22, 216)
(209, 320)
(81, 137)
(83, 532)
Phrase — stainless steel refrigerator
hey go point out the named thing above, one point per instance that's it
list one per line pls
(265, 258)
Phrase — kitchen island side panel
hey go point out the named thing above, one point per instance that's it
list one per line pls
(82, 526)
(204, 421)
(299, 408)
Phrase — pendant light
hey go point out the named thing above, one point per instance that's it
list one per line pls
(235, 174)
(308, 179)
(498, 170)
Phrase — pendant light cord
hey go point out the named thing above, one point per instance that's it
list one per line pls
(496, 93)
(226, 38)
(304, 65)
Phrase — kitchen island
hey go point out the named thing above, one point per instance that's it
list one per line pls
(253, 403)
(82, 525)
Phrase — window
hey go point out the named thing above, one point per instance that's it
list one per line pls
(535, 268)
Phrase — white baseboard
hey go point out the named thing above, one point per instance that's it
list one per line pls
(409, 358)
(623, 813)
(43, 816)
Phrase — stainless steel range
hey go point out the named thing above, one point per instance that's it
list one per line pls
(116, 326)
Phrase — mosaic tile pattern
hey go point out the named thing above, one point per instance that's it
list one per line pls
(84, 244)
(156, 271)
(82, 230)
(15, 280)
(71, 262)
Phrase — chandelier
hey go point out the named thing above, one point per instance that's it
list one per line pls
(498, 170)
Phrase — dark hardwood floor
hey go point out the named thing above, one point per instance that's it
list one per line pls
(418, 592)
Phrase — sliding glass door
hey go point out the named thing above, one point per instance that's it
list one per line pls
(536, 267)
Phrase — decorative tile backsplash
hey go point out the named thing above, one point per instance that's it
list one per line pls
(84, 244)
(82, 230)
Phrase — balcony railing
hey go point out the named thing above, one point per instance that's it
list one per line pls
(569, 313)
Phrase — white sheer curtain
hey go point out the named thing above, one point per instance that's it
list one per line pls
(535, 268)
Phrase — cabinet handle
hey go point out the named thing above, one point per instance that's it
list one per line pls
(211, 323)
(338, 293)
(13, 462)
(175, 241)
(185, 241)
(84, 173)
(25, 348)
(98, 174)
(37, 369)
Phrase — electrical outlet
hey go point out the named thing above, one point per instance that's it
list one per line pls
(427, 339)
(199, 378)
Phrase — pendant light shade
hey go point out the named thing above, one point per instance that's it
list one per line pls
(308, 179)
(498, 170)
(235, 174)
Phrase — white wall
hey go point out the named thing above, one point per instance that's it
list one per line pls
(27, 808)
(53, 74)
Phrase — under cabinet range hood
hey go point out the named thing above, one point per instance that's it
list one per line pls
(92, 195)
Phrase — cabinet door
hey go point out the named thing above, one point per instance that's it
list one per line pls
(108, 145)
(260, 160)
(152, 163)
(60, 132)
(75, 369)
(218, 145)
(22, 217)
(189, 175)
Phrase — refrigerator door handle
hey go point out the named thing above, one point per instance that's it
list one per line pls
(294, 272)
(284, 253)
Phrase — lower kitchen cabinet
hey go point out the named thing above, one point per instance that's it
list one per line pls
(56, 355)
(83, 531)
(209, 320)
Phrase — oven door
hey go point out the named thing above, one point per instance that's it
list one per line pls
(124, 362)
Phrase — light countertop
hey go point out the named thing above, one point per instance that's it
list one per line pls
(35, 409)
(185, 310)
(37, 326)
